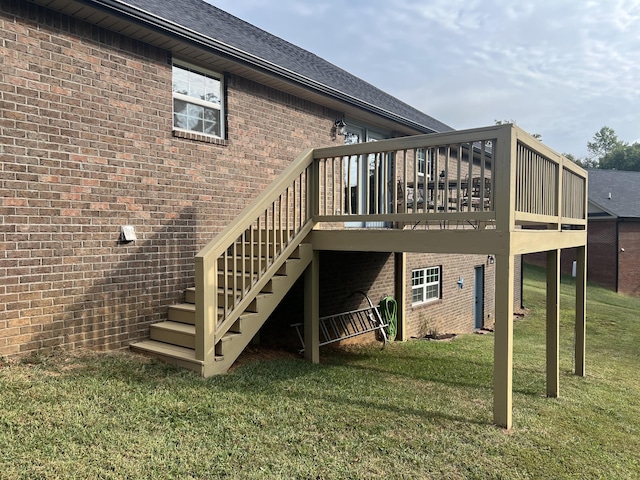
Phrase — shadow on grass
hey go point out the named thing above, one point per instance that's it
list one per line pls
(441, 367)
(344, 385)
(367, 378)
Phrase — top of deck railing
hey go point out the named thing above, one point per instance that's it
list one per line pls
(527, 183)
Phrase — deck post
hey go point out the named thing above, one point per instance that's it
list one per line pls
(312, 309)
(553, 323)
(503, 341)
(581, 309)
(206, 310)
(401, 293)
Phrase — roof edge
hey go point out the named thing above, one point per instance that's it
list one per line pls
(604, 209)
(173, 29)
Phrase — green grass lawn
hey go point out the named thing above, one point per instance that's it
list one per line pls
(414, 410)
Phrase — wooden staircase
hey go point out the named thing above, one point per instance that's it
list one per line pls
(241, 275)
(174, 340)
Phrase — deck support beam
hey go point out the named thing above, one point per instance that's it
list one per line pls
(401, 294)
(553, 323)
(503, 342)
(312, 309)
(581, 309)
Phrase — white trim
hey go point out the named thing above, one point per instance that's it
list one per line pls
(425, 284)
(197, 101)
(221, 107)
(195, 66)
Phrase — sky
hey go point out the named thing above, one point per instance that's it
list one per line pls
(559, 68)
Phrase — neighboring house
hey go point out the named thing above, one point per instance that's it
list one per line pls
(168, 157)
(613, 236)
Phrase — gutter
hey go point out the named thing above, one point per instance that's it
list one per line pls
(175, 30)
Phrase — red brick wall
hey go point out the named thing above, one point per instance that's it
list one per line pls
(87, 146)
(567, 257)
(342, 276)
(344, 273)
(454, 312)
(601, 253)
(629, 260)
(601, 256)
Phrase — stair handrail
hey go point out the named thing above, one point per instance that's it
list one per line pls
(206, 261)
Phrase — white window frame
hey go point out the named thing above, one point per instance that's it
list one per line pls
(198, 101)
(422, 284)
(423, 156)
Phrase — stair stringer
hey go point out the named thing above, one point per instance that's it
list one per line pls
(230, 346)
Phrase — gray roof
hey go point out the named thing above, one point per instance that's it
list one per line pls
(624, 188)
(211, 22)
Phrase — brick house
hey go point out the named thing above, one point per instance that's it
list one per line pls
(88, 116)
(613, 236)
(135, 132)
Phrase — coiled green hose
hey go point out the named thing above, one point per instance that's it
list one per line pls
(389, 312)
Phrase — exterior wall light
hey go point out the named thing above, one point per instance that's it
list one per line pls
(491, 259)
(341, 127)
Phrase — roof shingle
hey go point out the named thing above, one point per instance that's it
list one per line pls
(209, 21)
(624, 188)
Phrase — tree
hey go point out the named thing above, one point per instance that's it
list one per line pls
(583, 162)
(604, 142)
(622, 157)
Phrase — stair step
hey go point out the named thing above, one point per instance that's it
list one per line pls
(244, 264)
(239, 273)
(231, 272)
(183, 313)
(190, 293)
(173, 354)
(227, 337)
(174, 333)
(174, 340)
(254, 306)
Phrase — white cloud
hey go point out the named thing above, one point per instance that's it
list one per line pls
(562, 68)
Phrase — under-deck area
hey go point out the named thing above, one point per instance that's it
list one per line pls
(495, 191)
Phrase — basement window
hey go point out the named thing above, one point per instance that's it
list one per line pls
(425, 285)
(197, 101)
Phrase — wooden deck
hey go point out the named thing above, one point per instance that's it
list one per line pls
(494, 190)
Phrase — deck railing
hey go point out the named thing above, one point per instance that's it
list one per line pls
(420, 178)
(549, 188)
(485, 175)
(496, 177)
(240, 260)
